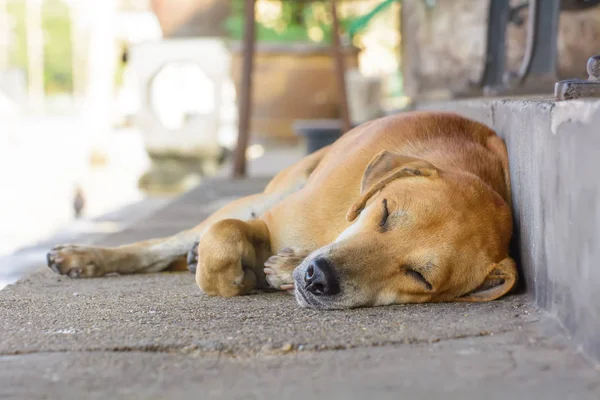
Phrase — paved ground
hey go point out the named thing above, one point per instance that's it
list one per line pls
(158, 336)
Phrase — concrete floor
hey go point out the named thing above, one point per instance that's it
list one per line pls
(158, 336)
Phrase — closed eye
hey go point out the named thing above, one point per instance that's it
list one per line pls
(385, 214)
(416, 275)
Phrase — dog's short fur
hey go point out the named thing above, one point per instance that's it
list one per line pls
(409, 208)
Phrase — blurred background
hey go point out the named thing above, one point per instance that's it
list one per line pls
(105, 103)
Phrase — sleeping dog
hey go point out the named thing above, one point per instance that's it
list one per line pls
(409, 208)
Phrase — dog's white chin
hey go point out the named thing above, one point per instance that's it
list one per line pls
(336, 302)
(385, 299)
(300, 300)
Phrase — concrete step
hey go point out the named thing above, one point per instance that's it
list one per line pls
(554, 153)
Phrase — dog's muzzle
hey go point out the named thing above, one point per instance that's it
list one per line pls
(319, 278)
(317, 283)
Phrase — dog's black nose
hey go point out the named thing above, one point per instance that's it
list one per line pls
(320, 278)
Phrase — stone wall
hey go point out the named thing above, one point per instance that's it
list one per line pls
(444, 46)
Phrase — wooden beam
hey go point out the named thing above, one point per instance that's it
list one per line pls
(340, 70)
(245, 97)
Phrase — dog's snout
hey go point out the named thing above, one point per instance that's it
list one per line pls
(320, 279)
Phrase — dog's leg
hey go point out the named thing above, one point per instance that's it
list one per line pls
(279, 267)
(231, 257)
(154, 255)
(158, 254)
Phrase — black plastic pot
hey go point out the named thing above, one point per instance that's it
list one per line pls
(318, 133)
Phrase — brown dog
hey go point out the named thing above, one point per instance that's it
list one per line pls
(409, 208)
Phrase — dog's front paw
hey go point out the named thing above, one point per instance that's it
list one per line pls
(279, 268)
(74, 261)
(192, 258)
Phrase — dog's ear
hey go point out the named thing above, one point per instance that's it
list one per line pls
(499, 281)
(384, 168)
(385, 162)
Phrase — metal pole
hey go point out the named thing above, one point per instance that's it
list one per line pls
(493, 72)
(245, 98)
(338, 57)
(539, 61)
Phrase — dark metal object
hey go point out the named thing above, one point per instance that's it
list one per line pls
(540, 55)
(498, 17)
(538, 68)
(245, 99)
(579, 88)
(318, 133)
(340, 69)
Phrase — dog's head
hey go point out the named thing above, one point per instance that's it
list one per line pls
(418, 234)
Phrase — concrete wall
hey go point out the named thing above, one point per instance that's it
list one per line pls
(444, 46)
(554, 152)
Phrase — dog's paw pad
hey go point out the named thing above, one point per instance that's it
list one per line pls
(279, 268)
(73, 261)
(192, 258)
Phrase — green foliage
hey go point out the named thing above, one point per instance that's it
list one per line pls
(362, 22)
(58, 74)
(56, 27)
(293, 26)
